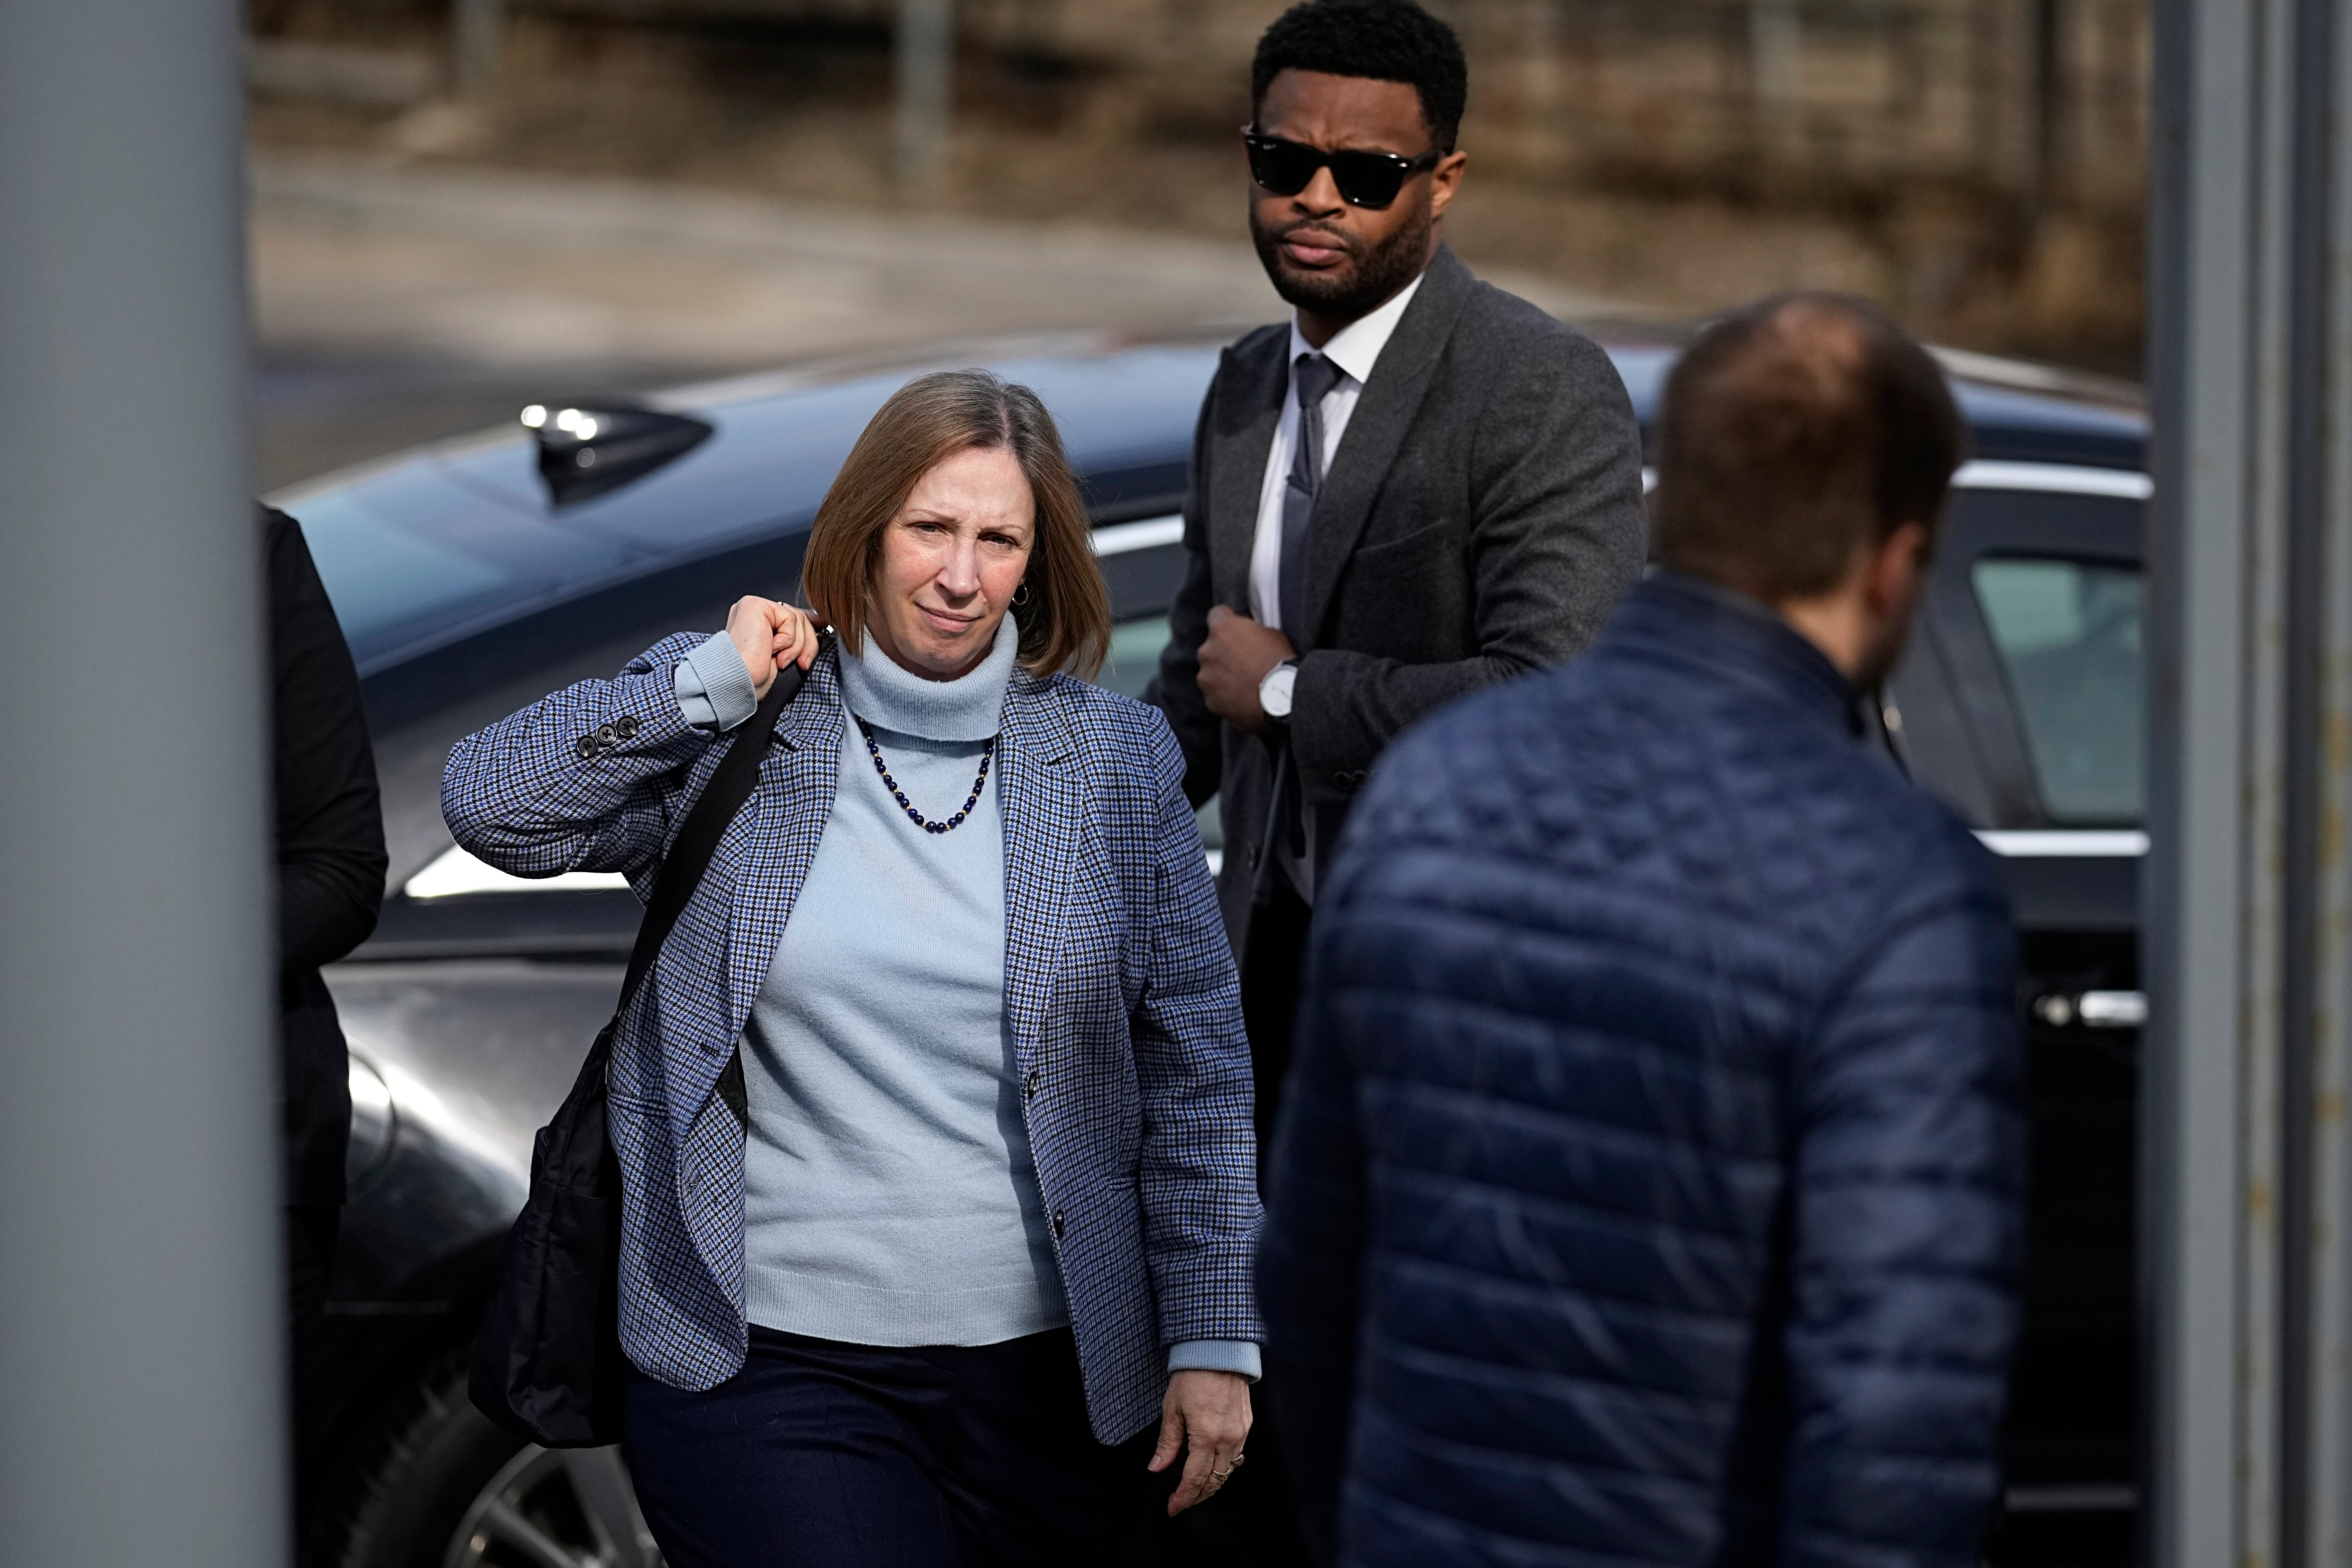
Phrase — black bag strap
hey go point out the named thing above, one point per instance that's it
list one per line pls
(698, 838)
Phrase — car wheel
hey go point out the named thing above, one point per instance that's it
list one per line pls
(454, 1490)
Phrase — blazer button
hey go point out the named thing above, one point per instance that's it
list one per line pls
(1034, 1079)
(1257, 852)
(587, 748)
(626, 727)
(1341, 777)
(1058, 1227)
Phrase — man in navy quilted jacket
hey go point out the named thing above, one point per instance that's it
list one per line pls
(1650, 1184)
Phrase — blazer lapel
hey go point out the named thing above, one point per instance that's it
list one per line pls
(1040, 797)
(783, 822)
(1376, 431)
(1256, 376)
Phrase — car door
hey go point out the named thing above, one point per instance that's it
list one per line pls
(2022, 703)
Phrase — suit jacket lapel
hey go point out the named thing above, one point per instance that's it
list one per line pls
(1041, 799)
(1256, 374)
(1377, 429)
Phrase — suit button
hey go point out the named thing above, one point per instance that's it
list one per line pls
(1257, 852)
(1341, 777)
(626, 727)
(1035, 1078)
(1058, 1227)
(587, 748)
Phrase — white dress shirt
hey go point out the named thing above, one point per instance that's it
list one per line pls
(1353, 349)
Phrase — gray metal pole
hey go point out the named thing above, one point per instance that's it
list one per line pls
(925, 87)
(2247, 1170)
(140, 1363)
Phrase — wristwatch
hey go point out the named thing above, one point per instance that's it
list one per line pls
(1274, 691)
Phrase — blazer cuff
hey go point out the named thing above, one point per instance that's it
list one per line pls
(1216, 1355)
(714, 688)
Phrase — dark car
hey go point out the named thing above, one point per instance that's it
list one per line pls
(477, 574)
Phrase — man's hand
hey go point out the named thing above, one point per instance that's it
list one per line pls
(770, 635)
(1233, 661)
(1208, 1414)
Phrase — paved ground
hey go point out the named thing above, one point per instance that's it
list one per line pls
(395, 304)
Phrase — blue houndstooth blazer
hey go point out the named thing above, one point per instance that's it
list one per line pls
(1117, 981)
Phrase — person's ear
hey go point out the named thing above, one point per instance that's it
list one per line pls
(1898, 568)
(1444, 181)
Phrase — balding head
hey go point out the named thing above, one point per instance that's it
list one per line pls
(1795, 435)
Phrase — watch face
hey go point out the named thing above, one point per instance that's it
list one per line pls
(1274, 691)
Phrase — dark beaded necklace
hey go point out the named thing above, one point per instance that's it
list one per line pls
(987, 751)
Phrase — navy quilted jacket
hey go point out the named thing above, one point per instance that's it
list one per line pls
(1649, 1187)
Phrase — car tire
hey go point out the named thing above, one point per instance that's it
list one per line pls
(451, 1489)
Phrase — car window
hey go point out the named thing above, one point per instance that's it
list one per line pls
(1134, 654)
(1134, 659)
(2068, 637)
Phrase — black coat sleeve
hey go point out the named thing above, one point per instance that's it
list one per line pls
(330, 854)
(1176, 690)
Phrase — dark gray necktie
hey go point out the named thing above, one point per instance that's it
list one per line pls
(1311, 378)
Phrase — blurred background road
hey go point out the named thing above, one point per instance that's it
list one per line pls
(395, 303)
(463, 206)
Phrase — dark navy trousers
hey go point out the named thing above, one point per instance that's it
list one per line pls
(821, 1455)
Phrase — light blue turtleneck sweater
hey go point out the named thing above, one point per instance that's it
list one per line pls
(889, 1196)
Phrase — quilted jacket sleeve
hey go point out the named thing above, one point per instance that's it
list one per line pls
(580, 780)
(1200, 1197)
(1907, 1217)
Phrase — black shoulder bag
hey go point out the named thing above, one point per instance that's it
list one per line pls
(546, 1358)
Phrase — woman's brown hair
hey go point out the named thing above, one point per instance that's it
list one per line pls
(1065, 619)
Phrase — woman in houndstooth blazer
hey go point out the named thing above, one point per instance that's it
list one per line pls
(939, 1182)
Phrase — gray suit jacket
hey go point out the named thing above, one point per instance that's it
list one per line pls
(1481, 517)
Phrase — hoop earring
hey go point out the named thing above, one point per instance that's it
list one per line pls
(1020, 594)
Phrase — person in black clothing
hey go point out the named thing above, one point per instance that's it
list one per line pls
(330, 871)
(1417, 487)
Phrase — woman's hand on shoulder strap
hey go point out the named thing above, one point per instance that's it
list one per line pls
(770, 635)
(1207, 1415)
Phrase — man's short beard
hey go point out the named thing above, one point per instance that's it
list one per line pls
(1379, 273)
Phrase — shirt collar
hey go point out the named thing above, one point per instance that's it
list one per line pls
(1357, 346)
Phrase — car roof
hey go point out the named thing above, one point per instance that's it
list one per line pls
(2017, 412)
(429, 546)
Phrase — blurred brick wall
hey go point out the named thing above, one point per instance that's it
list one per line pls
(1977, 164)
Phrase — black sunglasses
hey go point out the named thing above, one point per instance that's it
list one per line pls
(1365, 179)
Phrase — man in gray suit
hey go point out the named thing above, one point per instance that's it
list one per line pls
(1417, 487)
